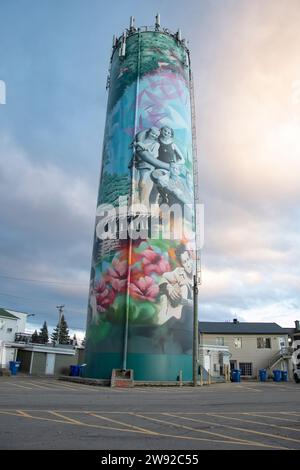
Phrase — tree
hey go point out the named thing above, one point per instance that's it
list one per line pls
(43, 334)
(63, 332)
(35, 337)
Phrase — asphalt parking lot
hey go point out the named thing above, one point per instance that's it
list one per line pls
(46, 413)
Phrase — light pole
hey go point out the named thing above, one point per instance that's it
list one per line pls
(60, 312)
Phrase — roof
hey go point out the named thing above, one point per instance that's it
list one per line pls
(241, 328)
(289, 331)
(6, 314)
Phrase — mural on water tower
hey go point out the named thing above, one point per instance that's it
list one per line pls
(147, 158)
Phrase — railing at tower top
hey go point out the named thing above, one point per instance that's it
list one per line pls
(147, 29)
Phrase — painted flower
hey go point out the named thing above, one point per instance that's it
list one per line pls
(104, 296)
(117, 275)
(144, 288)
(154, 263)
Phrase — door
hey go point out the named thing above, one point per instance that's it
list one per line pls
(50, 362)
(233, 365)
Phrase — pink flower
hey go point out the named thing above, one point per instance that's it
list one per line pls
(144, 289)
(117, 275)
(104, 296)
(154, 263)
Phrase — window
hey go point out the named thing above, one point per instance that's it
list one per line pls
(263, 343)
(246, 368)
(220, 341)
(9, 330)
(237, 342)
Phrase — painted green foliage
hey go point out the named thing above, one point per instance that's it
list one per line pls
(158, 51)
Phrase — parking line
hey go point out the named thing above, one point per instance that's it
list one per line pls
(254, 422)
(70, 420)
(203, 431)
(22, 386)
(60, 386)
(66, 420)
(251, 431)
(124, 424)
(11, 413)
(250, 413)
(23, 413)
(35, 385)
(249, 388)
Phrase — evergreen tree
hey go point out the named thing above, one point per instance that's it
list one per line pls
(35, 337)
(63, 330)
(43, 334)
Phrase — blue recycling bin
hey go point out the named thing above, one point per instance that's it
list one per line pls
(284, 375)
(74, 370)
(263, 375)
(81, 370)
(236, 375)
(276, 375)
(14, 366)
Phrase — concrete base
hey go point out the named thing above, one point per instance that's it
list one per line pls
(122, 378)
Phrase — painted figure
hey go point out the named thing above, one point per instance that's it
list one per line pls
(176, 287)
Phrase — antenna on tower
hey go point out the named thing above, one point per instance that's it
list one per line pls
(122, 50)
(157, 22)
(132, 24)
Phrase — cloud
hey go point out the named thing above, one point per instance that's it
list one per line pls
(248, 127)
(47, 219)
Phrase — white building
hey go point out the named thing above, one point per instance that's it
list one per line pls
(11, 322)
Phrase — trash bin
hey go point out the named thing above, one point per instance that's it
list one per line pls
(276, 375)
(14, 366)
(81, 370)
(236, 375)
(74, 370)
(284, 375)
(263, 375)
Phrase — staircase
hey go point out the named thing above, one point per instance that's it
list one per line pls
(285, 354)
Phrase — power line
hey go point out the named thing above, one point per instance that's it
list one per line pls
(38, 300)
(43, 281)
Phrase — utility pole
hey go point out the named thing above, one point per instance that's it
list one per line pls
(195, 333)
(60, 312)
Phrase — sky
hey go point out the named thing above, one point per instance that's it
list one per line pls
(54, 57)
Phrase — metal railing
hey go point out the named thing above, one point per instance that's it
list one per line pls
(23, 338)
(283, 353)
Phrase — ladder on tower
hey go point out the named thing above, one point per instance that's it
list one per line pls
(196, 180)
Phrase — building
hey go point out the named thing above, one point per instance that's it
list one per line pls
(252, 346)
(46, 359)
(35, 359)
(141, 288)
(214, 361)
(11, 323)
